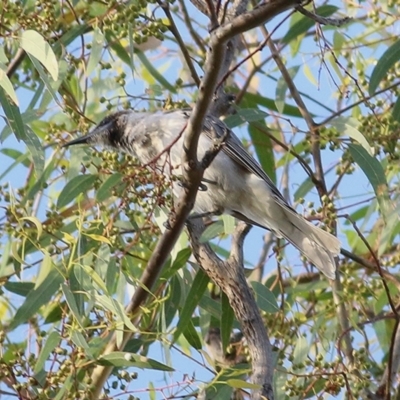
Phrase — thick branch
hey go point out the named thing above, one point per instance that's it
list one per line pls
(229, 276)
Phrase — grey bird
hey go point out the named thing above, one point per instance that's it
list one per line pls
(234, 183)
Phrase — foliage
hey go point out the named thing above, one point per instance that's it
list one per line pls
(78, 227)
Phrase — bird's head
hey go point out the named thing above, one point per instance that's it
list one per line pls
(108, 133)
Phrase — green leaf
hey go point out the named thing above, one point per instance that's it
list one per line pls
(301, 350)
(375, 173)
(396, 110)
(50, 86)
(6, 84)
(119, 50)
(304, 188)
(212, 231)
(76, 186)
(53, 340)
(69, 297)
(281, 89)
(104, 191)
(229, 224)
(305, 23)
(13, 116)
(96, 50)
(148, 65)
(270, 104)
(191, 335)
(34, 44)
(79, 340)
(241, 384)
(266, 300)
(17, 156)
(69, 36)
(264, 149)
(180, 261)
(117, 309)
(226, 323)
(21, 288)
(36, 150)
(196, 291)
(37, 298)
(387, 60)
(125, 359)
(244, 115)
(348, 127)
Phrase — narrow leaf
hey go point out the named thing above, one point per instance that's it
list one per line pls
(34, 44)
(37, 298)
(52, 341)
(266, 300)
(20, 288)
(281, 89)
(124, 359)
(13, 116)
(212, 231)
(199, 286)
(264, 149)
(375, 173)
(396, 110)
(305, 23)
(387, 60)
(241, 384)
(36, 150)
(148, 65)
(191, 335)
(76, 186)
(95, 54)
(347, 127)
(104, 191)
(69, 297)
(227, 318)
(6, 84)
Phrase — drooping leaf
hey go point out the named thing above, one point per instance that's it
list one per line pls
(6, 84)
(396, 110)
(375, 173)
(264, 149)
(227, 318)
(53, 340)
(305, 23)
(212, 231)
(13, 115)
(72, 304)
(387, 60)
(281, 89)
(244, 115)
(38, 297)
(266, 300)
(191, 335)
(125, 359)
(76, 186)
(348, 127)
(96, 50)
(104, 191)
(34, 44)
(148, 65)
(196, 291)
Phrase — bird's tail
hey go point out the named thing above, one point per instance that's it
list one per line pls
(319, 246)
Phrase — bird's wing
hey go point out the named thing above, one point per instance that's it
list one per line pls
(214, 128)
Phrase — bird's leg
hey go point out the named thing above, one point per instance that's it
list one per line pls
(202, 186)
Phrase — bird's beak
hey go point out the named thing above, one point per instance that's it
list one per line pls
(90, 138)
(81, 140)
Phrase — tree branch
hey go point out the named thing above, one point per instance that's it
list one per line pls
(229, 276)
